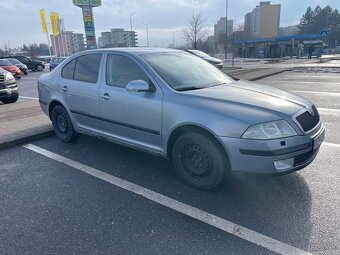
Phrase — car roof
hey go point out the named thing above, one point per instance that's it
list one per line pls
(134, 50)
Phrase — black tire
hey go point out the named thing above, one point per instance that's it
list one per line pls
(62, 125)
(39, 68)
(25, 73)
(199, 161)
(9, 100)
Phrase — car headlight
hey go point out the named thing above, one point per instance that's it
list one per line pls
(269, 130)
(8, 76)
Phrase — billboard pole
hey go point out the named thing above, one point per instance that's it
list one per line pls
(87, 9)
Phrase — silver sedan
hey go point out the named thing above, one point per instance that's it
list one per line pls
(176, 105)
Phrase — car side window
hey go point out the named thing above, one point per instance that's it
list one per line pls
(120, 70)
(68, 70)
(87, 68)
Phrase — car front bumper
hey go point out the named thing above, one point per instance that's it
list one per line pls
(24, 70)
(258, 156)
(7, 92)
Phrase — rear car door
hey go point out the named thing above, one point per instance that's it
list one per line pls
(134, 117)
(79, 85)
(30, 65)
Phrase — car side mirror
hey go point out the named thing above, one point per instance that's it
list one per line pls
(139, 86)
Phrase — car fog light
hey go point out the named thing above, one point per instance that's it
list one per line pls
(285, 164)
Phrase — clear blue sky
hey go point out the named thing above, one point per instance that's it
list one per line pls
(20, 21)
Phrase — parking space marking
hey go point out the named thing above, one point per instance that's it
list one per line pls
(316, 92)
(328, 110)
(27, 78)
(331, 144)
(32, 98)
(210, 219)
(27, 82)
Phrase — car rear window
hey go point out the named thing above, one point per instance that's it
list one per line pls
(5, 62)
(68, 70)
(87, 68)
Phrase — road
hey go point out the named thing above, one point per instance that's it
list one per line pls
(28, 85)
(95, 197)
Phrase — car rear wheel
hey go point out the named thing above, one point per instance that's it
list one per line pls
(40, 68)
(62, 125)
(9, 100)
(199, 161)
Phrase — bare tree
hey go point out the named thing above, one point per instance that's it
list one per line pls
(195, 31)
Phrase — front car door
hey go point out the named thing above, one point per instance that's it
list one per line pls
(79, 85)
(131, 117)
(27, 62)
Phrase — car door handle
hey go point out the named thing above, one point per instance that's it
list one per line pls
(65, 88)
(106, 96)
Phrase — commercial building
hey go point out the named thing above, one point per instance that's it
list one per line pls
(263, 21)
(280, 46)
(118, 37)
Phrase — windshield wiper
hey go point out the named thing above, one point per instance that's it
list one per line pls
(189, 88)
(217, 84)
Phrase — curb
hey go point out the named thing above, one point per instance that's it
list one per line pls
(270, 74)
(26, 139)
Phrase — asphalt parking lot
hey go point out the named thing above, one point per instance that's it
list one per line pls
(95, 197)
(28, 85)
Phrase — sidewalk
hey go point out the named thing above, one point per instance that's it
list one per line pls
(22, 122)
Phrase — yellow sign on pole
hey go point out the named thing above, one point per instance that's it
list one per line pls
(43, 21)
(54, 23)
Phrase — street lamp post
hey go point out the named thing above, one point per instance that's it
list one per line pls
(147, 32)
(226, 30)
(131, 20)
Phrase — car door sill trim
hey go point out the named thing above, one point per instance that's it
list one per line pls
(151, 131)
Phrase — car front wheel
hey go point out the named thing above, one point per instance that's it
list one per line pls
(62, 125)
(40, 68)
(9, 100)
(199, 161)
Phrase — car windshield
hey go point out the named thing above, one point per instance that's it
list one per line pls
(5, 62)
(199, 53)
(58, 60)
(182, 71)
(14, 61)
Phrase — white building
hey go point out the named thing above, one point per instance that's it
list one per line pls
(220, 34)
(118, 37)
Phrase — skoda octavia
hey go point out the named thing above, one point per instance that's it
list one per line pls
(176, 105)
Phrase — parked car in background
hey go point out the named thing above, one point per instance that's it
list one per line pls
(34, 65)
(215, 61)
(176, 105)
(8, 87)
(8, 66)
(55, 62)
(23, 68)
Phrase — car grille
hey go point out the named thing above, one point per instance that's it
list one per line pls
(12, 86)
(2, 78)
(307, 121)
(2, 86)
(304, 158)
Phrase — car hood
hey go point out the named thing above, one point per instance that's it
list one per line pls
(252, 96)
(211, 59)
